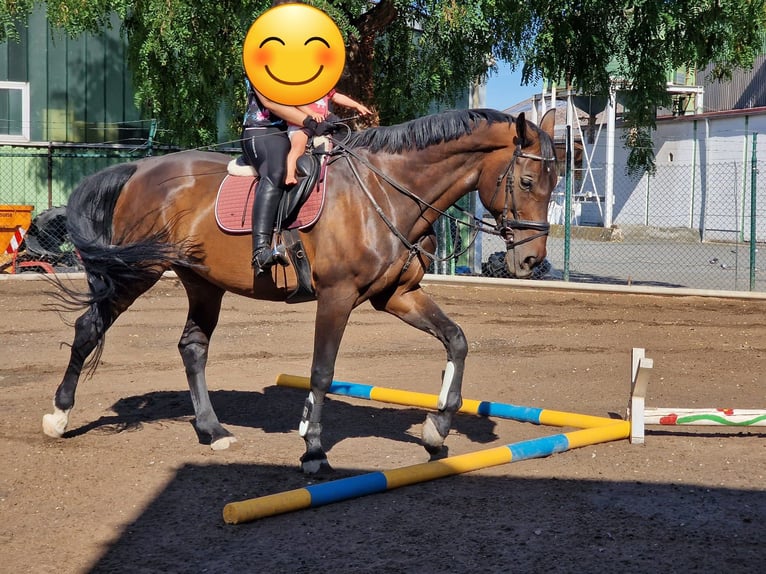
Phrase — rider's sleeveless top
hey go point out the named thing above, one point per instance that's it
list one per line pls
(256, 114)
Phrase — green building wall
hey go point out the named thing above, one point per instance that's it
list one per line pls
(80, 89)
(80, 93)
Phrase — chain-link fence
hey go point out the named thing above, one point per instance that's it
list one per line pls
(684, 226)
(35, 183)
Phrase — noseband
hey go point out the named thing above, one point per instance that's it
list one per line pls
(504, 229)
(507, 225)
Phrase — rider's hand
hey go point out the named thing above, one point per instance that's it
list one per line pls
(327, 126)
(311, 126)
(324, 128)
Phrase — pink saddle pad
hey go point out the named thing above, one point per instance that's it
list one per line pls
(234, 204)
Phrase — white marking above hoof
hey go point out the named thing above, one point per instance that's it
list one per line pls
(55, 424)
(223, 443)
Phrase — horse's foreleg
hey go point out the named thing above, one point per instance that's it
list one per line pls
(419, 310)
(328, 331)
(89, 330)
(204, 309)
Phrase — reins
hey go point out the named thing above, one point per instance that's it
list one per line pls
(414, 249)
(504, 229)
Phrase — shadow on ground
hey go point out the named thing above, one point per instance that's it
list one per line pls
(278, 410)
(465, 523)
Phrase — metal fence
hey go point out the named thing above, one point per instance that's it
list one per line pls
(35, 183)
(697, 227)
(684, 226)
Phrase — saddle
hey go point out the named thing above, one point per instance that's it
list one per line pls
(299, 208)
(300, 205)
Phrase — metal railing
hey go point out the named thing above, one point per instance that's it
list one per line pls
(684, 226)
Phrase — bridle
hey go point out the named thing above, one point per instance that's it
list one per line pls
(506, 226)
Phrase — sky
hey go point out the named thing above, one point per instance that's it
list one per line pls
(504, 88)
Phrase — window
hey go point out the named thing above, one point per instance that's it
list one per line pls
(14, 112)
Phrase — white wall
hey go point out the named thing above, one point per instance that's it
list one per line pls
(702, 180)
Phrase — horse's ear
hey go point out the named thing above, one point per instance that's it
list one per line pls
(521, 129)
(548, 123)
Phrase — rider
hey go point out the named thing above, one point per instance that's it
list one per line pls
(265, 146)
(299, 136)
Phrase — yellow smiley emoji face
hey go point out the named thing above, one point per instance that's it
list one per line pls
(294, 54)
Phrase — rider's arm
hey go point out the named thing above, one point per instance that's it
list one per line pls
(346, 102)
(288, 113)
(309, 112)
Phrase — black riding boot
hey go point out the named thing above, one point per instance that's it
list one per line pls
(265, 209)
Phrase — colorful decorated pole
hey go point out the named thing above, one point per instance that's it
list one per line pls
(593, 430)
(640, 415)
(705, 417)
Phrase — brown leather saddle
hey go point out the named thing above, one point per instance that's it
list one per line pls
(300, 208)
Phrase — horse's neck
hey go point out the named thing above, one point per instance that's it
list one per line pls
(459, 176)
(442, 179)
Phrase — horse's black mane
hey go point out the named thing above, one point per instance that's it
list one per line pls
(426, 131)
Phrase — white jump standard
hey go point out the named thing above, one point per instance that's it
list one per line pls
(640, 415)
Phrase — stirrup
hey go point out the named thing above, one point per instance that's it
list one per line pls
(263, 260)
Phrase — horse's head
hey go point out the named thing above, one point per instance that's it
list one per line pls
(521, 194)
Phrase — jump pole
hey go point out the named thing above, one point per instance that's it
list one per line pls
(705, 417)
(596, 430)
(470, 406)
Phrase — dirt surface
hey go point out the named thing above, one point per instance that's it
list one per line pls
(131, 489)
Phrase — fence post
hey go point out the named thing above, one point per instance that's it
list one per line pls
(50, 175)
(152, 133)
(568, 204)
(753, 180)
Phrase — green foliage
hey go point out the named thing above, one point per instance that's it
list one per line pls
(186, 54)
(11, 11)
(587, 44)
(186, 60)
(452, 45)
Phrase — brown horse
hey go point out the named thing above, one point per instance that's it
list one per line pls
(373, 242)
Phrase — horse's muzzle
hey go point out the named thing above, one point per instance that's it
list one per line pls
(521, 262)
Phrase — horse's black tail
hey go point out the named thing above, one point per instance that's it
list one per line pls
(118, 269)
(114, 266)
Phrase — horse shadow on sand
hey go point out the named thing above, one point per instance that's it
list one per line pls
(278, 410)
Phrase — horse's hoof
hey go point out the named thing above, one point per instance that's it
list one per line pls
(432, 438)
(55, 423)
(440, 454)
(316, 466)
(223, 443)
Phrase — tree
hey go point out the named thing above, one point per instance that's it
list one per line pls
(404, 55)
(588, 44)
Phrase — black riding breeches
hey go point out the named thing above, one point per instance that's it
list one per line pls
(266, 150)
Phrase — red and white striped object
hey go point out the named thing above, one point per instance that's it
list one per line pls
(18, 236)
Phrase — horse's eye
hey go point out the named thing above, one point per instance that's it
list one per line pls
(526, 183)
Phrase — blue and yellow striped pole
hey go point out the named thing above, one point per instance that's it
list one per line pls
(594, 430)
(377, 482)
(423, 400)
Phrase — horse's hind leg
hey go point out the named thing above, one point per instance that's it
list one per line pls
(90, 328)
(204, 309)
(89, 331)
(419, 310)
